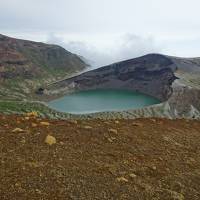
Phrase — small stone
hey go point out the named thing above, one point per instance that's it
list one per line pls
(32, 114)
(27, 118)
(153, 120)
(154, 167)
(45, 123)
(33, 125)
(137, 124)
(18, 130)
(132, 175)
(33, 164)
(122, 179)
(110, 140)
(17, 184)
(111, 130)
(38, 191)
(50, 140)
(116, 122)
(87, 127)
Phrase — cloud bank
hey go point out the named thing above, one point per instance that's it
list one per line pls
(121, 48)
(173, 25)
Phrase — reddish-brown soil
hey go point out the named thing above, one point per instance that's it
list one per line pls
(125, 159)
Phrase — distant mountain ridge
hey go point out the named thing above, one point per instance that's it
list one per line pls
(35, 57)
(28, 60)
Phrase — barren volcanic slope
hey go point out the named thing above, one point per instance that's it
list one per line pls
(97, 159)
(25, 65)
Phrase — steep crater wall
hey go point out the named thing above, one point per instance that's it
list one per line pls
(152, 75)
(169, 79)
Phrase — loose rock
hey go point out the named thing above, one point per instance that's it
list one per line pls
(137, 124)
(50, 140)
(87, 127)
(132, 175)
(17, 130)
(45, 123)
(33, 125)
(32, 114)
(122, 179)
(111, 130)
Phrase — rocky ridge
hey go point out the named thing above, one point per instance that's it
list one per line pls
(25, 65)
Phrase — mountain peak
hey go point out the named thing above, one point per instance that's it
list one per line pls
(28, 60)
(3, 36)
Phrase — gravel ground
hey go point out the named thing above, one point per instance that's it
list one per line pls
(99, 159)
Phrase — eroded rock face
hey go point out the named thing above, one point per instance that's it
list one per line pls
(184, 99)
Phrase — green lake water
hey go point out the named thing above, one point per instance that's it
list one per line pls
(92, 101)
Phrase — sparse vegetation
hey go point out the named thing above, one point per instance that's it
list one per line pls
(99, 159)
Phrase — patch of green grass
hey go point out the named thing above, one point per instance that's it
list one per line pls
(20, 107)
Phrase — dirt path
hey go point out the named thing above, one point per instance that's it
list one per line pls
(125, 159)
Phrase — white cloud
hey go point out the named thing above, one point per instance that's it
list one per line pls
(121, 48)
(97, 29)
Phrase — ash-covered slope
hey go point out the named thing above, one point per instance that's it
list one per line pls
(175, 81)
(23, 62)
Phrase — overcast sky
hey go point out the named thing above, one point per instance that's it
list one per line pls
(105, 31)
